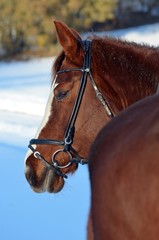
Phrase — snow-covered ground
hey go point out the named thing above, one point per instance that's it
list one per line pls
(24, 88)
(148, 34)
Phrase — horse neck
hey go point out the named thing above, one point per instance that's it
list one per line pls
(126, 72)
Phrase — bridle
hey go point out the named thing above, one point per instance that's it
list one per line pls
(66, 144)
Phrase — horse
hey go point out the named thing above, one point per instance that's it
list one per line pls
(93, 80)
(124, 174)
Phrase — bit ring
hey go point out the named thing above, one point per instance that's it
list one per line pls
(55, 162)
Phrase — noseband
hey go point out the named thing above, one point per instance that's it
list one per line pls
(66, 144)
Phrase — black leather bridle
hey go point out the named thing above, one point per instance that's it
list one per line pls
(66, 143)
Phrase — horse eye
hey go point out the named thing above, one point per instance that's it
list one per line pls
(61, 95)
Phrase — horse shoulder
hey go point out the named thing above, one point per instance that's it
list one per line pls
(124, 167)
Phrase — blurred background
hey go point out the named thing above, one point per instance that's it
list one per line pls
(28, 47)
(26, 26)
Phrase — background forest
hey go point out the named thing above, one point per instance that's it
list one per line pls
(26, 26)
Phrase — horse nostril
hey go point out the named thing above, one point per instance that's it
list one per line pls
(30, 177)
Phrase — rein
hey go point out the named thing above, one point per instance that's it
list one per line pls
(66, 144)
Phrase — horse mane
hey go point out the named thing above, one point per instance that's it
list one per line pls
(57, 63)
(131, 58)
(122, 42)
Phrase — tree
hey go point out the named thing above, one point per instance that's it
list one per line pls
(14, 21)
(28, 24)
(82, 14)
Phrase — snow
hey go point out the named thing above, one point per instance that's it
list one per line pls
(148, 34)
(24, 89)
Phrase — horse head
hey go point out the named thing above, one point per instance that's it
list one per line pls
(72, 119)
(91, 79)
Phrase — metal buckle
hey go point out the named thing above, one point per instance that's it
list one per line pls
(36, 154)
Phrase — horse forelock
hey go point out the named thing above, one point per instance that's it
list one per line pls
(57, 64)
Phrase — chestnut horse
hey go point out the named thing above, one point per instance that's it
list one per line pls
(124, 174)
(93, 80)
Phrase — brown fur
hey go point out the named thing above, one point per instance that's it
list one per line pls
(124, 73)
(124, 174)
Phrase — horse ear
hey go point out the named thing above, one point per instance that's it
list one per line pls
(68, 38)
